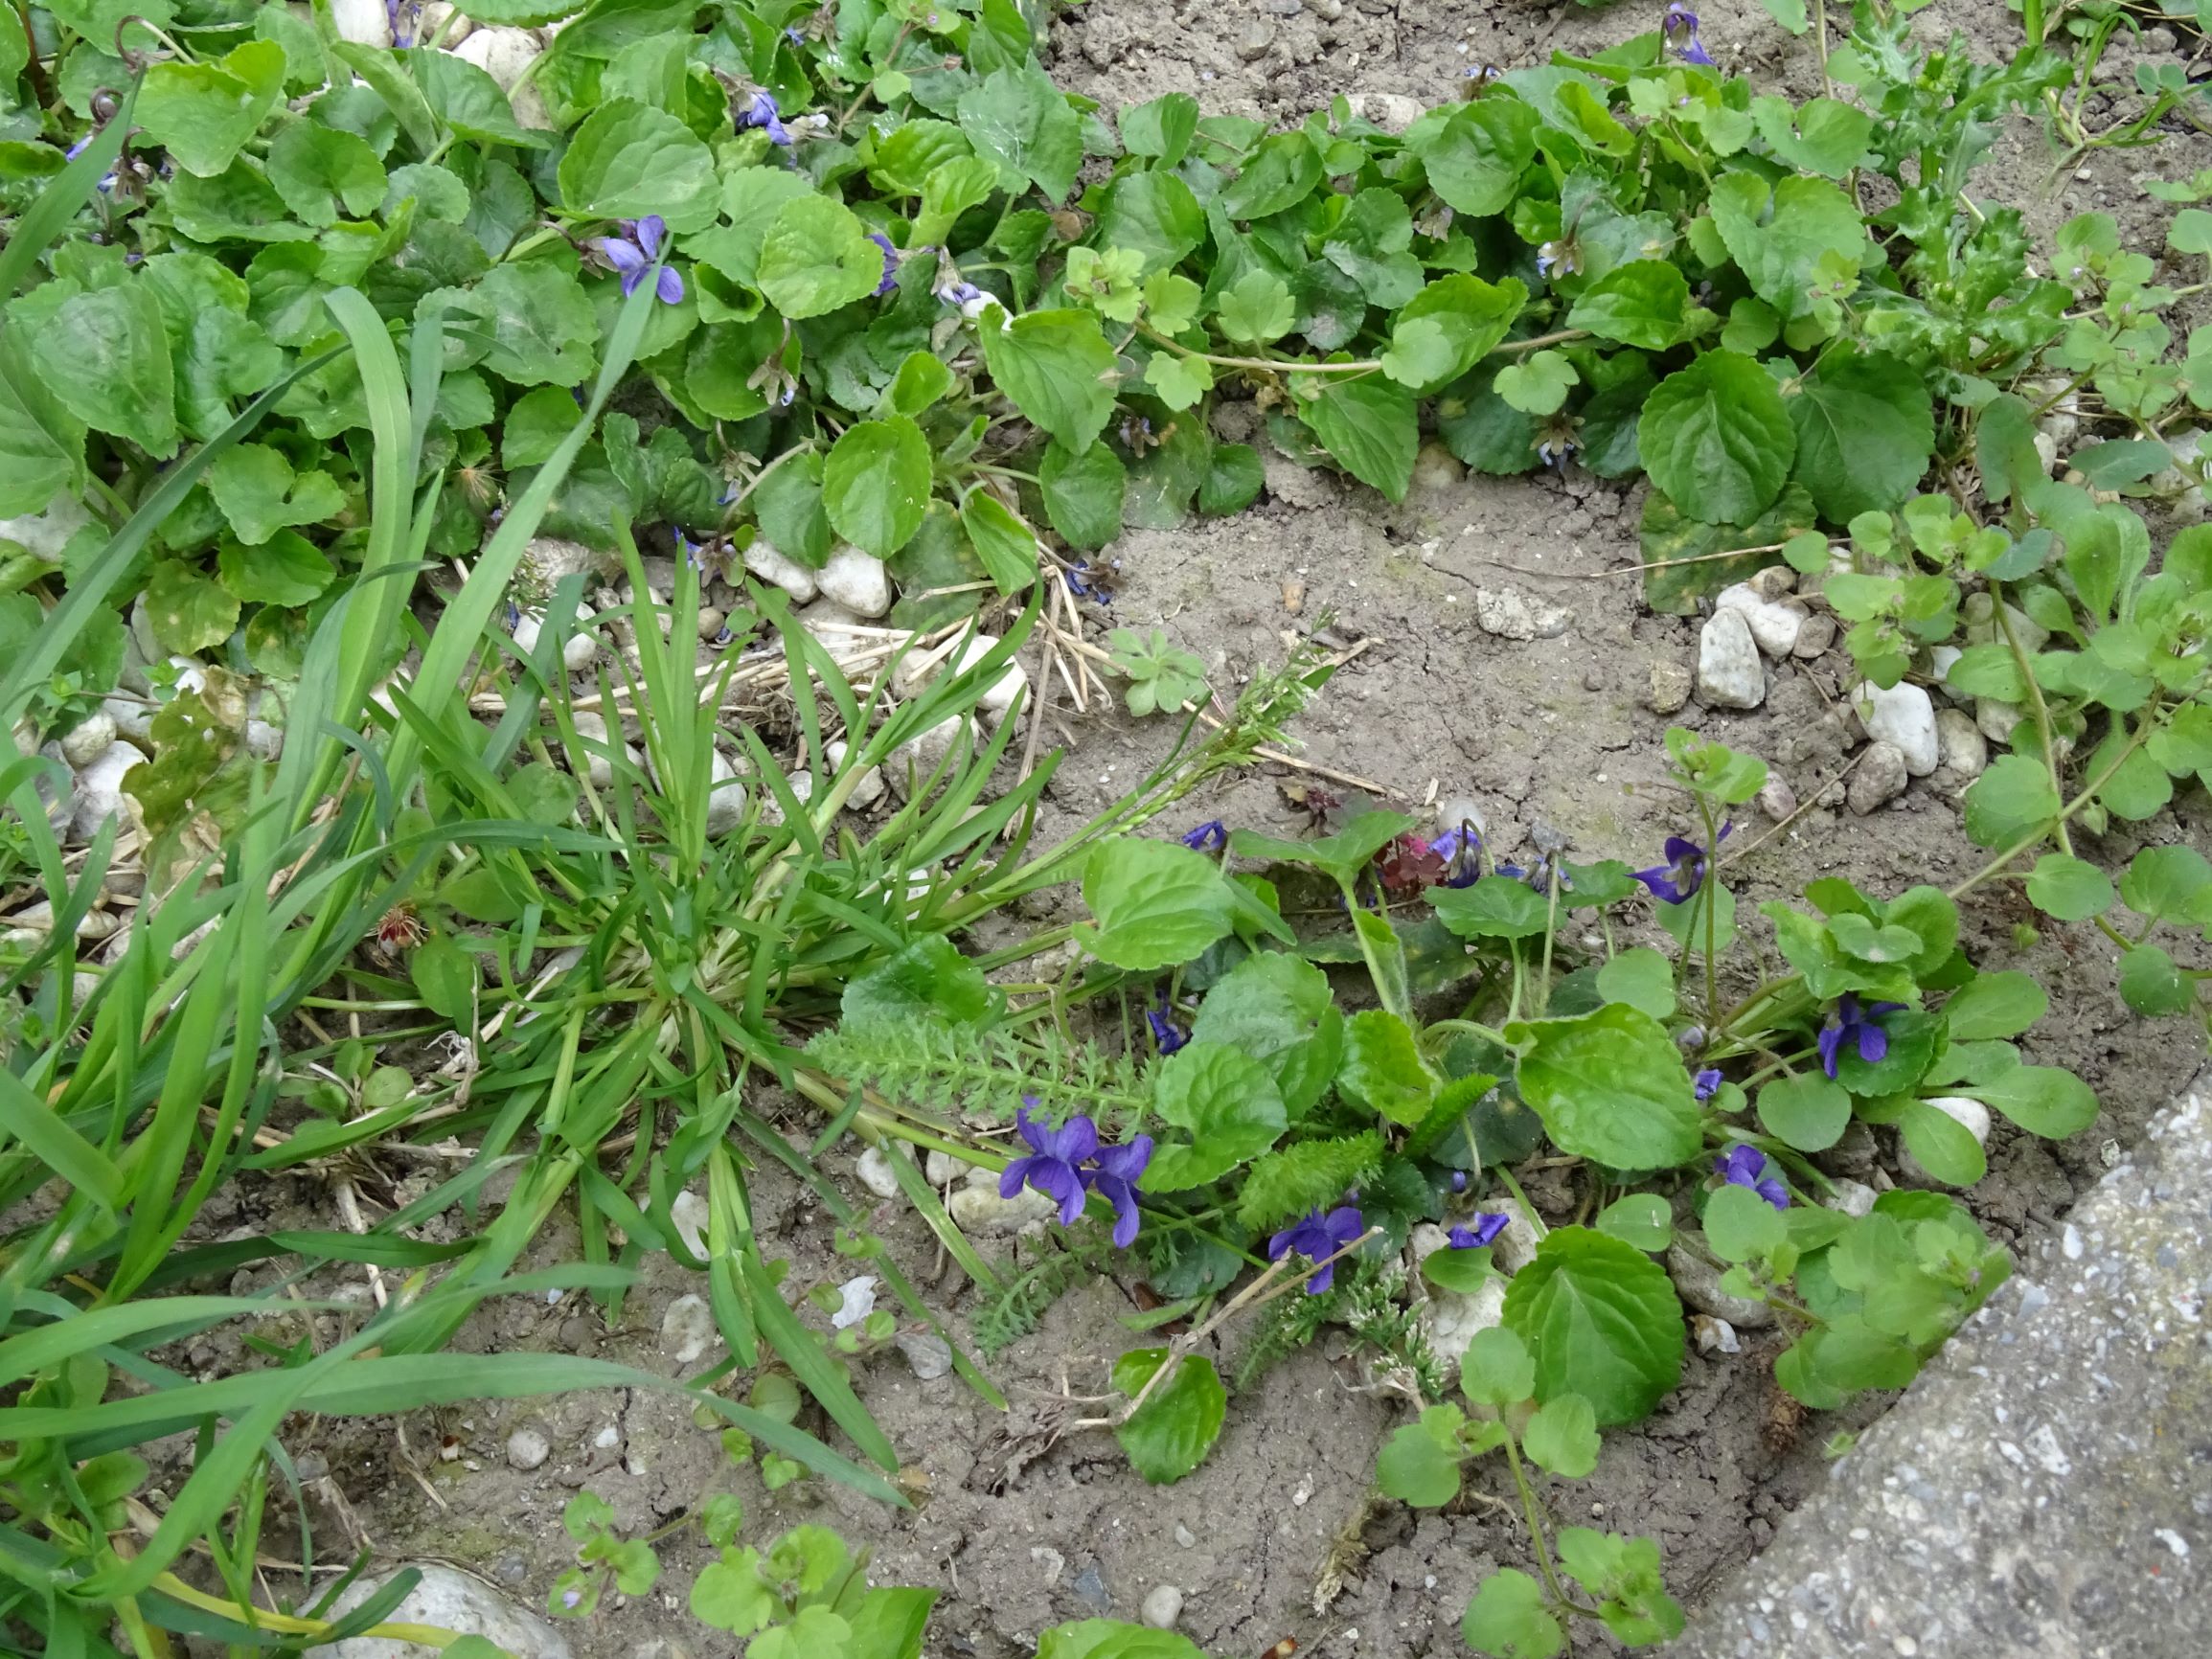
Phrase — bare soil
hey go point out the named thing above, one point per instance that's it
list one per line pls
(1283, 1538)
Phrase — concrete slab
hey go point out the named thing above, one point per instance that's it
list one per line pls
(2044, 1487)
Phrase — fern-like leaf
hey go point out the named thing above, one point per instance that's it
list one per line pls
(958, 1069)
(1284, 1185)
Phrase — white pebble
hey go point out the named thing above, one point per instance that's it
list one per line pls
(527, 1447)
(773, 564)
(88, 739)
(867, 788)
(857, 581)
(1730, 675)
(1902, 714)
(1163, 1607)
(687, 1330)
(874, 1168)
(99, 793)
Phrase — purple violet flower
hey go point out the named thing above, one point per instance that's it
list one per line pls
(1083, 582)
(1685, 871)
(1461, 849)
(761, 111)
(1051, 1166)
(1848, 1022)
(1115, 1180)
(1211, 837)
(1706, 1083)
(1167, 1035)
(1742, 1166)
(633, 252)
(1680, 26)
(1487, 1227)
(1459, 1180)
(890, 263)
(1317, 1237)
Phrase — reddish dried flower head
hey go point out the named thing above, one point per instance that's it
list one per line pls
(1409, 864)
(402, 929)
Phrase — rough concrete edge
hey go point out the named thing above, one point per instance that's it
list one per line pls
(1811, 1536)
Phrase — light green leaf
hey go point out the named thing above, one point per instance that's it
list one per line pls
(1640, 977)
(319, 170)
(1019, 119)
(1370, 425)
(1383, 1067)
(187, 612)
(1822, 135)
(1173, 1431)
(876, 483)
(630, 159)
(1866, 431)
(1057, 369)
(2007, 801)
(287, 569)
(1510, 1619)
(1083, 493)
(259, 493)
(1602, 1321)
(1278, 1010)
(104, 357)
(817, 258)
(1155, 905)
(1807, 1111)
(1475, 155)
(1782, 239)
(1716, 438)
(1005, 545)
(203, 113)
(1610, 1087)
(1537, 384)
(1257, 308)
(1563, 1436)
(1644, 303)
(1229, 1105)
(2046, 1101)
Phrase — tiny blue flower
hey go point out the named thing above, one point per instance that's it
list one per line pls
(1051, 1164)
(1461, 849)
(890, 263)
(761, 111)
(1680, 26)
(1850, 1022)
(1706, 1083)
(1742, 1166)
(1317, 1237)
(1685, 871)
(1487, 1227)
(1459, 1180)
(633, 252)
(1167, 1035)
(1115, 1180)
(1211, 837)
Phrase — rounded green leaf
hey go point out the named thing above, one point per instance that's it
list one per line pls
(1994, 1005)
(1807, 1111)
(2167, 882)
(2012, 798)
(1371, 426)
(104, 357)
(187, 612)
(1495, 907)
(1563, 1436)
(817, 258)
(876, 483)
(1600, 1320)
(1510, 1619)
(1178, 1425)
(2044, 1101)
(630, 159)
(287, 569)
(1229, 1105)
(203, 113)
(1419, 1465)
(1383, 1067)
(1715, 438)
(1154, 905)
(1643, 1220)
(1057, 369)
(1741, 1226)
(1476, 154)
(1644, 303)
(1278, 1010)
(1640, 977)
(2068, 889)
(1082, 493)
(1610, 1086)
(1865, 428)
(1496, 1369)
(2152, 985)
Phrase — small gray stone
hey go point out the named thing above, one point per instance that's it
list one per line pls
(1163, 1607)
(447, 1599)
(1902, 714)
(857, 581)
(1996, 720)
(1391, 112)
(1877, 778)
(1700, 1282)
(99, 791)
(1258, 39)
(687, 1328)
(1434, 467)
(1185, 1537)
(1960, 743)
(1776, 799)
(874, 1168)
(1670, 686)
(1730, 675)
(527, 1447)
(89, 739)
(927, 1352)
(1814, 637)
(1090, 1589)
(1503, 612)
(981, 1210)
